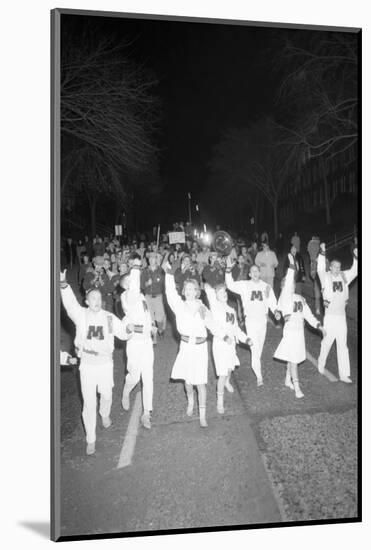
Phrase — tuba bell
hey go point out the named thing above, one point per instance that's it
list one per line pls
(222, 243)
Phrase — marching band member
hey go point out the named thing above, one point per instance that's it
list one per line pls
(94, 342)
(224, 345)
(292, 346)
(192, 319)
(335, 291)
(139, 349)
(257, 297)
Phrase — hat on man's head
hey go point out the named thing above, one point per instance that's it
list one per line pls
(98, 261)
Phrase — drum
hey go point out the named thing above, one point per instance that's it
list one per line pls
(222, 243)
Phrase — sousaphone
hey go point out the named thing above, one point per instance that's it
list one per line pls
(222, 243)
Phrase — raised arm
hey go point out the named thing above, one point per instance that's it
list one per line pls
(233, 286)
(351, 274)
(321, 264)
(69, 301)
(133, 293)
(287, 292)
(172, 296)
(211, 296)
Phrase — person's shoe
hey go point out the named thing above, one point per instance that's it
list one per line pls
(107, 422)
(321, 371)
(90, 448)
(228, 386)
(346, 379)
(125, 401)
(259, 382)
(299, 394)
(146, 421)
(203, 423)
(289, 384)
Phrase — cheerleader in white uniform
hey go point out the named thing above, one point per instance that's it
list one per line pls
(257, 297)
(224, 348)
(292, 346)
(192, 319)
(139, 349)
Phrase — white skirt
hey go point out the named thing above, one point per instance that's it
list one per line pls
(292, 346)
(225, 357)
(191, 363)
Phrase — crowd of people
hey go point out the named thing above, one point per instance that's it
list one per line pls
(131, 291)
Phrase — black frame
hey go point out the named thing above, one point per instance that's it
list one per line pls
(55, 268)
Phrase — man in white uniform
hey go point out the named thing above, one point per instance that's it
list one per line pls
(94, 342)
(139, 349)
(335, 294)
(257, 297)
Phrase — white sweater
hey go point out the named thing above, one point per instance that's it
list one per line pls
(95, 332)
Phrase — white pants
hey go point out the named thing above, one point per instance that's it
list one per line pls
(256, 329)
(336, 329)
(93, 378)
(140, 365)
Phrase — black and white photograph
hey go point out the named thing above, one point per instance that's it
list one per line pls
(205, 222)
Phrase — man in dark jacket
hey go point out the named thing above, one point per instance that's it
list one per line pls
(152, 284)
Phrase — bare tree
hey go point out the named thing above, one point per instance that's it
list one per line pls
(318, 93)
(252, 158)
(108, 117)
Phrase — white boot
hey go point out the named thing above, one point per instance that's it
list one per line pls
(203, 422)
(190, 405)
(298, 392)
(220, 404)
(288, 381)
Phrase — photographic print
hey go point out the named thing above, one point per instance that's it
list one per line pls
(205, 218)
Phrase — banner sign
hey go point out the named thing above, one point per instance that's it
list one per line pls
(176, 237)
(118, 230)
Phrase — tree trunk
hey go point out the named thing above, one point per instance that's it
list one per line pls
(327, 198)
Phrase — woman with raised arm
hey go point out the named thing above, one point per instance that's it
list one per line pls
(192, 321)
(295, 311)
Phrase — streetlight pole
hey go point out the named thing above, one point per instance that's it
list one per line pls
(189, 209)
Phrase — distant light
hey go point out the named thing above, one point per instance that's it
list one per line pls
(207, 238)
(197, 208)
(205, 228)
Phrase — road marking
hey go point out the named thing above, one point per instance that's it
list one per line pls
(326, 372)
(128, 446)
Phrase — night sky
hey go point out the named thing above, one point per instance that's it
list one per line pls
(211, 77)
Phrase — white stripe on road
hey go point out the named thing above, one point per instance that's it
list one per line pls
(326, 372)
(128, 446)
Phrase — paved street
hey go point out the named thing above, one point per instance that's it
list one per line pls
(269, 458)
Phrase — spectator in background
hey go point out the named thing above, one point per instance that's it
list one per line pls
(184, 272)
(295, 241)
(152, 283)
(84, 265)
(299, 277)
(247, 257)
(313, 248)
(101, 281)
(98, 247)
(264, 237)
(253, 250)
(267, 262)
(80, 251)
(213, 274)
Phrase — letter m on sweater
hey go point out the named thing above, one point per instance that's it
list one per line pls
(95, 332)
(230, 317)
(337, 286)
(298, 306)
(257, 295)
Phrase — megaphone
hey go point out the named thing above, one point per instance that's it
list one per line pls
(222, 243)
